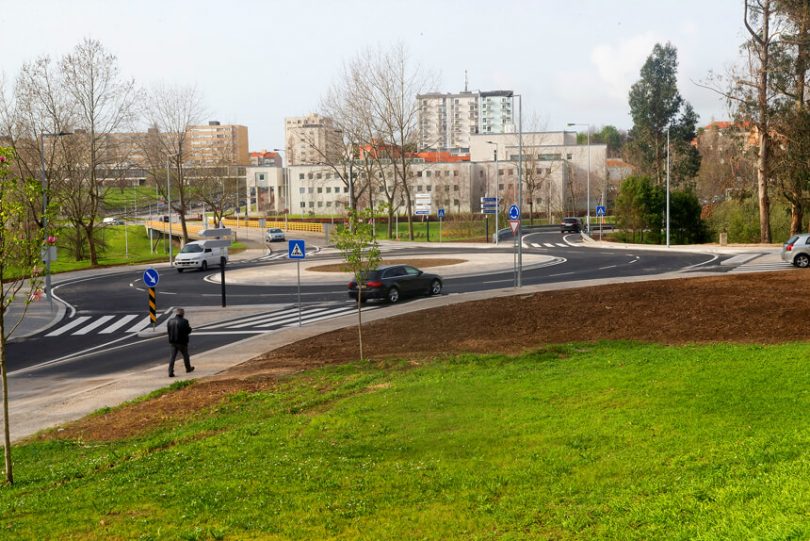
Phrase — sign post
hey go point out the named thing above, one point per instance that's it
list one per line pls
(296, 249)
(150, 280)
(441, 217)
(514, 223)
(424, 202)
(218, 241)
(489, 205)
(601, 211)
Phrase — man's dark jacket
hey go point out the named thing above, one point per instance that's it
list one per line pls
(178, 330)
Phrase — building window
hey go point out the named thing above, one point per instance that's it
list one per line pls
(511, 172)
(302, 190)
(318, 176)
(301, 176)
(303, 205)
(427, 174)
(328, 176)
(429, 188)
(309, 176)
(455, 173)
(500, 187)
(328, 189)
(312, 204)
(569, 156)
(455, 187)
(500, 172)
(320, 204)
(320, 190)
(310, 189)
(419, 173)
(447, 173)
(456, 202)
(328, 204)
(345, 189)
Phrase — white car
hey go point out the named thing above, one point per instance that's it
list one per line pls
(198, 255)
(796, 250)
(274, 234)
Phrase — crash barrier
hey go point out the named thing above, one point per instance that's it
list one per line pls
(177, 229)
(289, 225)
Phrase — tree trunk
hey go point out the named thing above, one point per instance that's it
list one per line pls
(6, 423)
(360, 318)
(762, 189)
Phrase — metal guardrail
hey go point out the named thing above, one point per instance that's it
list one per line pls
(289, 226)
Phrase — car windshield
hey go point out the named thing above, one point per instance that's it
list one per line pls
(274, 231)
(191, 249)
(371, 275)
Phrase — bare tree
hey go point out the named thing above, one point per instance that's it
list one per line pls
(171, 111)
(103, 103)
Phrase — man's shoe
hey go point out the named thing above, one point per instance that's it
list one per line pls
(171, 375)
(190, 370)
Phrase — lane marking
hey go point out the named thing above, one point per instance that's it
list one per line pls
(65, 328)
(118, 324)
(97, 323)
(141, 325)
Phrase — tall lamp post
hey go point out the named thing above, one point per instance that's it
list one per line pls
(497, 201)
(667, 186)
(588, 197)
(519, 278)
(44, 184)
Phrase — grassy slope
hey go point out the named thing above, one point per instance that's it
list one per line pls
(612, 441)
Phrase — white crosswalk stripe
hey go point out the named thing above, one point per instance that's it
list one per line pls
(107, 324)
(763, 267)
(281, 318)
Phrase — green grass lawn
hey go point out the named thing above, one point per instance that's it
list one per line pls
(607, 441)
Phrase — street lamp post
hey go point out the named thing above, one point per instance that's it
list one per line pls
(169, 205)
(667, 186)
(519, 279)
(44, 185)
(588, 196)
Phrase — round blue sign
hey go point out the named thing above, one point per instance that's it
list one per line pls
(514, 212)
(151, 277)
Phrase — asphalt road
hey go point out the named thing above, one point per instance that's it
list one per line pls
(76, 348)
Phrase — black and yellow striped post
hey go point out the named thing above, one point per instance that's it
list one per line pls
(153, 306)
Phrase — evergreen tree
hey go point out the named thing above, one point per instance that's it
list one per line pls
(655, 106)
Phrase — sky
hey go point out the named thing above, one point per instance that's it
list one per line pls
(257, 62)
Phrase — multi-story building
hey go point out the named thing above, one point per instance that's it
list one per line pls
(216, 143)
(312, 139)
(447, 121)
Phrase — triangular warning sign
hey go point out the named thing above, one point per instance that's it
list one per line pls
(514, 224)
(296, 251)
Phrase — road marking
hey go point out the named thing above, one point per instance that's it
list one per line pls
(560, 274)
(608, 267)
(293, 318)
(118, 324)
(65, 328)
(548, 245)
(97, 323)
(561, 245)
(511, 280)
(141, 325)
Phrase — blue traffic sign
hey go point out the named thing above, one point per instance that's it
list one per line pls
(514, 212)
(600, 210)
(151, 277)
(296, 249)
(441, 213)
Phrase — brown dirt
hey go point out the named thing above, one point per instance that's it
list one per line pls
(754, 308)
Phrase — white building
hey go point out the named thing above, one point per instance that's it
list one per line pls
(447, 121)
(312, 139)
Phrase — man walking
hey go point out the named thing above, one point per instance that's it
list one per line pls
(178, 330)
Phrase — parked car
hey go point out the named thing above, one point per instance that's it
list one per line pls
(274, 234)
(797, 250)
(112, 221)
(570, 225)
(392, 282)
(199, 255)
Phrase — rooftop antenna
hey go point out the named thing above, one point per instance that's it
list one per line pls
(466, 81)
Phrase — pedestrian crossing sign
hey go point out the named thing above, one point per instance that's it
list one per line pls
(296, 249)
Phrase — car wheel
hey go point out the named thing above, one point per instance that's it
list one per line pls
(435, 287)
(393, 295)
(179, 270)
(801, 261)
(204, 266)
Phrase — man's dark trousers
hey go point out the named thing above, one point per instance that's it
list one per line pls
(181, 348)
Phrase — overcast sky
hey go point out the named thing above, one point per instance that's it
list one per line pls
(256, 62)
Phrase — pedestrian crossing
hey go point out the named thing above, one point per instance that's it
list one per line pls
(288, 317)
(108, 324)
(763, 267)
(84, 325)
(553, 245)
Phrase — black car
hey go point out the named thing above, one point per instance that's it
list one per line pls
(571, 225)
(392, 282)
